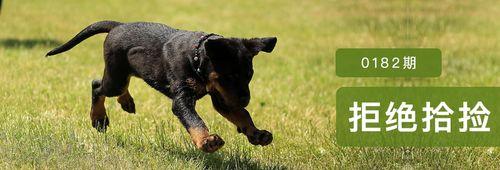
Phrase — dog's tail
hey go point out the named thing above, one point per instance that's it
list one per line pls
(95, 28)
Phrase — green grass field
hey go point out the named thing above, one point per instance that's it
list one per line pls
(44, 103)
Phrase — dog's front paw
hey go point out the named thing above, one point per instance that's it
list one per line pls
(101, 124)
(211, 143)
(260, 137)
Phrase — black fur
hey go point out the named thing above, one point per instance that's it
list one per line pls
(162, 56)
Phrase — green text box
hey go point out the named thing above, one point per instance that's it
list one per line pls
(388, 62)
(418, 96)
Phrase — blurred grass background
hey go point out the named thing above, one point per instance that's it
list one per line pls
(45, 103)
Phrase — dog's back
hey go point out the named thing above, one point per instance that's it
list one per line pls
(145, 34)
(150, 50)
(143, 49)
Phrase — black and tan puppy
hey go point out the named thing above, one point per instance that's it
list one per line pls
(183, 65)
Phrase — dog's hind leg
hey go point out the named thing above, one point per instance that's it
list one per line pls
(98, 112)
(109, 87)
(127, 102)
(114, 83)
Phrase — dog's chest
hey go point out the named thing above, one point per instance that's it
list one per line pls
(198, 87)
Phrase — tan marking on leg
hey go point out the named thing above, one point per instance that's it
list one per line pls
(204, 141)
(127, 102)
(242, 121)
(245, 125)
(198, 135)
(125, 97)
(98, 111)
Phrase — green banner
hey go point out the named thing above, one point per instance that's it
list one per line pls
(388, 62)
(418, 116)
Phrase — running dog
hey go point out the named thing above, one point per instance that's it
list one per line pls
(184, 66)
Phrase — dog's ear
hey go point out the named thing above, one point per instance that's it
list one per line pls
(261, 44)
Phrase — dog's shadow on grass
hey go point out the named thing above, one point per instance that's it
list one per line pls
(237, 160)
(28, 43)
(221, 159)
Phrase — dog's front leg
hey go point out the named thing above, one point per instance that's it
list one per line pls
(241, 118)
(184, 108)
(244, 123)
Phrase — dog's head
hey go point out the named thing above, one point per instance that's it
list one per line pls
(232, 68)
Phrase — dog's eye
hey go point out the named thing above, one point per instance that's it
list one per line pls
(231, 76)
